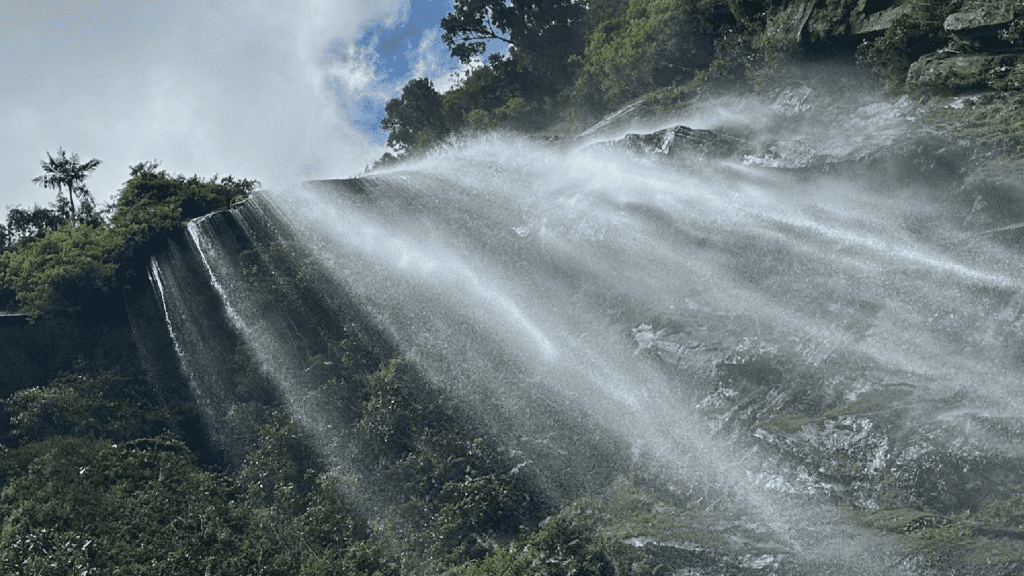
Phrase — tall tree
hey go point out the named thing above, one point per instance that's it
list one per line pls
(544, 32)
(68, 173)
(416, 118)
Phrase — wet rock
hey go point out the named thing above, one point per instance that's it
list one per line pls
(873, 17)
(679, 141)
(945, 71)
(994, 199)
(792, 20)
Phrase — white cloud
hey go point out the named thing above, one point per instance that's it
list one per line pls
(265, 89)
(430, 58)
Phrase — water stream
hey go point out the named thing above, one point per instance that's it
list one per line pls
(505, 269)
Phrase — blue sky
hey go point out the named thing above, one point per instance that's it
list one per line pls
(278, 90)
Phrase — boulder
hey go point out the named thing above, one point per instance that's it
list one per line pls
(946, 71)
(801, 19)
(981, 19)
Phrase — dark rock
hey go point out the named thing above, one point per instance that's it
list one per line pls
(867, 19)
(792, 20)
(679, 141)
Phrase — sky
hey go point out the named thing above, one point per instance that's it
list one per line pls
(276, 90)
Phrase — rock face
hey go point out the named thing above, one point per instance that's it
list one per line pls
(987, 55)
(872, 17)
(981, 18)
(944, 71)
(983, 56)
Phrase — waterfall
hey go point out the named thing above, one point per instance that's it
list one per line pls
(648, 298)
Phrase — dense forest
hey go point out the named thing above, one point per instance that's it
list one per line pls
(101, 473)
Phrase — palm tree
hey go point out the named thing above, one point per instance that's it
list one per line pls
(68, 173)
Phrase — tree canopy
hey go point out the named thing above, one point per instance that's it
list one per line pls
(541, 29)
(415, 118)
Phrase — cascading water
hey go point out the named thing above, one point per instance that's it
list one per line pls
(664, 304)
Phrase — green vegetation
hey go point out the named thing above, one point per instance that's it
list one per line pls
(95, 478)
(570, 63)
(59, 250)
(543, 34)
(416, 118)
(153, 202)
(989, 536)
(641, 45)
(915, 32)
(67, 253)
(573, 61)
(78, 505)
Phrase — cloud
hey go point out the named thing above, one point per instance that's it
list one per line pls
(267, 89)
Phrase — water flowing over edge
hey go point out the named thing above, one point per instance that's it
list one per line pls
(505, 269)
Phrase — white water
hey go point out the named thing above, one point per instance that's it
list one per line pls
(503, 265)
(506, 269)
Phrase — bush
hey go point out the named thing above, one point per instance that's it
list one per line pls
(68, 252)
(153, 202)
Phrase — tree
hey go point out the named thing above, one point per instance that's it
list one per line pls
(544, 33)
(64, 172)
(58, 255)
(416, 118)
(24, 223)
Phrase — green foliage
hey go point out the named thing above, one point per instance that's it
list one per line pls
(67, 252)
(415, 120)
(485, 88)
(87, 506)
(647, 44)
(59, 246)
(585, 538)
(917, 31)
(24, 224)
(637, 46)
(73, 505)
(389, 416)
(153, 201)
(544, 33)
(275, 471)
(298, 521)
(81, 404)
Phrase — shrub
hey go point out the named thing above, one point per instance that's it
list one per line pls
(67, 252)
